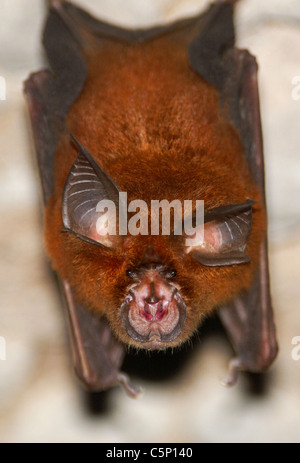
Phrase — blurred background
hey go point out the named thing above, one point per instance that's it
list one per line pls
(40, 401)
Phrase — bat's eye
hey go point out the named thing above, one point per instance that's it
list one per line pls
(172, 274)
(169, 274)
(225, 237)
(131, 274)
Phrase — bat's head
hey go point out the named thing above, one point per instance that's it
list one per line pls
(154, 288)
(153, 311)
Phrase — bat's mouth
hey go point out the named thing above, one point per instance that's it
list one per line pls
(153, 314)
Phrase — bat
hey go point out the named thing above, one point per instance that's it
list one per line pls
(122, 120)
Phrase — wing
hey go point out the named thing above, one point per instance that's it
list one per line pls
(45, 126)
(97, 354)
(249, 319)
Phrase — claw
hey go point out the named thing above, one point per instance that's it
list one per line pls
(130, 390)
(235, 367)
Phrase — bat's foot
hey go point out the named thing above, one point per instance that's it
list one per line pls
(235, 367)
(130, 390)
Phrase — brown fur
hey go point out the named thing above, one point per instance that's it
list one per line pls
(157, 130)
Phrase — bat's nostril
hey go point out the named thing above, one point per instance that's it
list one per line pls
(147, 315)
(160, 314)
(154, 311)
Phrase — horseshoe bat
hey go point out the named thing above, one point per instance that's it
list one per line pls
(168, 113)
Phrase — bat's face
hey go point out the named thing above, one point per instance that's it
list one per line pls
(153, 289)
(154, 310)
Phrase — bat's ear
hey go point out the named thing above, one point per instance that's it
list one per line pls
(90, 201)
(223, 239)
